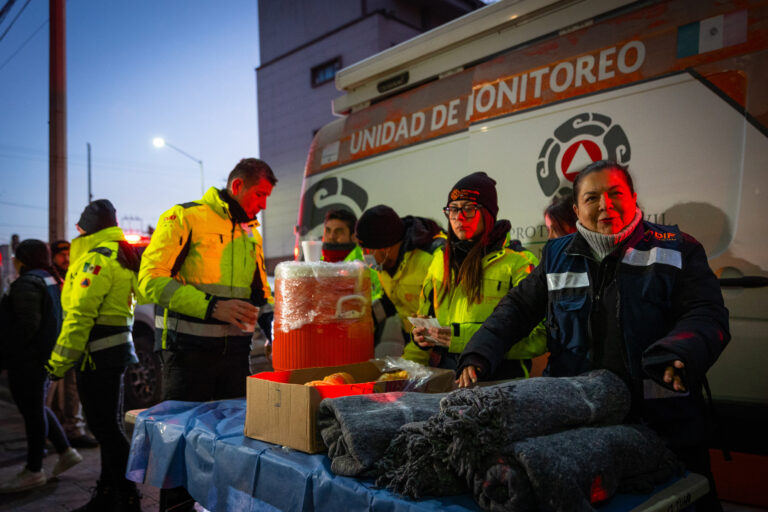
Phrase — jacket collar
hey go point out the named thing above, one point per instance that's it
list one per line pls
(579, 246)
(85, 243)
(224, 206)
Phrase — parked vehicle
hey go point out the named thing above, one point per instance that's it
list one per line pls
(142, 381)
(532, 91)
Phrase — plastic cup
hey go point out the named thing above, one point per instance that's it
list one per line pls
(313, 250)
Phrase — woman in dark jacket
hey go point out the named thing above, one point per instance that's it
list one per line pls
(626, 295)
(32, 312)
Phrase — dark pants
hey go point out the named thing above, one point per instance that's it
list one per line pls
(199, 376)
(28, 383)
(101, 393)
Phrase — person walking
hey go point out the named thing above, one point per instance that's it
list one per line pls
(98, 299)
(63, 398)
(470, 275)
(626, 295)
(31, 318)
(204, 268)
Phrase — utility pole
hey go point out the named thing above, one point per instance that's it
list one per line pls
(57, 123)
(90, 196)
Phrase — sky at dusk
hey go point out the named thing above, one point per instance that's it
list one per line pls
(180, 69)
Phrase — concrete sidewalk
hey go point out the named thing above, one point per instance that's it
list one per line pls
(67, 492)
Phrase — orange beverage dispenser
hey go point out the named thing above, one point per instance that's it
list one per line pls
(322, 314)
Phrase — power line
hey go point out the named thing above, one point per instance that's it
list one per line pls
(22, 45)
(6, 9)
(33, 207)
(14, 19)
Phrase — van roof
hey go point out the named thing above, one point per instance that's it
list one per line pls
(450, 47)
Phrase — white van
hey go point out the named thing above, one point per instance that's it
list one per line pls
(532, 91)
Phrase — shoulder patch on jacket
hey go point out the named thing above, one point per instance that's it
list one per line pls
(103, 251)
(190, 204)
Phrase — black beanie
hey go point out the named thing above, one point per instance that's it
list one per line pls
(33, 254)
(379, 227)
(97, 215)
(477, 187)
(58, 246)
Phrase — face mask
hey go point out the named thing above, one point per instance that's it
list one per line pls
(333, 253)
(369, 260)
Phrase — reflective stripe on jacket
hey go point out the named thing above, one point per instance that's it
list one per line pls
(98, 299)
(669, 306)
(199, 252)
(502, 270)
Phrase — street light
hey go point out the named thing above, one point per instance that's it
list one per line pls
(159, 142)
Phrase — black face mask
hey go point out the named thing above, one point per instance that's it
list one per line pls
(333, 253)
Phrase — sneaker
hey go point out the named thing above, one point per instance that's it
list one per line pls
(83, 441)
(66, 460)
(25, 480)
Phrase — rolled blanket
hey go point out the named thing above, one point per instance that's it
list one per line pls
(416, 463)
(482, 421)
(357, 429)
(573, 469)
(475, 423)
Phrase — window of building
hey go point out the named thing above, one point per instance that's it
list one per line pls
(325, 72)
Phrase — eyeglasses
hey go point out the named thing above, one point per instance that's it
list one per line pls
(469, 210)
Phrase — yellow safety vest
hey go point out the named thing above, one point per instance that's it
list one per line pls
(197, 252)
(98, 291)
(356, 254)
(502, 270)
(403, 289)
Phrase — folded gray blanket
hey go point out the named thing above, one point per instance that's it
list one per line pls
(475, 423)
(357, 429)
(571, 470)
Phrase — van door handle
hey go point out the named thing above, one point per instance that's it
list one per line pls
(744, 282)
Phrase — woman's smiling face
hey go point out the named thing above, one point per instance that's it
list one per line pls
(605, 202)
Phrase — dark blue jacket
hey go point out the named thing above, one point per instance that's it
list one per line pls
(31, 318)
(662, 300)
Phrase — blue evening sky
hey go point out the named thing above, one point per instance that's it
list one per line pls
(180, 69)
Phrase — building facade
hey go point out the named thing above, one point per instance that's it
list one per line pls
(302, 45)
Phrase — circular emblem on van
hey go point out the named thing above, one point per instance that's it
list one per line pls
(331, 193)
(581, 140)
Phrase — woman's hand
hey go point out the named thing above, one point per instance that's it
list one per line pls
(419, 334)
(468, 377)
(441, 334)
(674, 377)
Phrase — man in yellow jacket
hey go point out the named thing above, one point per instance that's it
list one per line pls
(98, 299)
(400, 249)
(204, 268)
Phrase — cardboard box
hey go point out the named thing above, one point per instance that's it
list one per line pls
(280, 409)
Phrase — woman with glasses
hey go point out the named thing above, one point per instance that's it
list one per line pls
(470, 275)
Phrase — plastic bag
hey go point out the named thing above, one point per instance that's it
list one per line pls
(418, 374)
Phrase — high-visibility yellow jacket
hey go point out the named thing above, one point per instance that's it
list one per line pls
(403, 289)
(197, 253)
(356, 254)
(97, 299)
(502, 270)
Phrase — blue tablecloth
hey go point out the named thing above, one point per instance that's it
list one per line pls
(201, 446)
